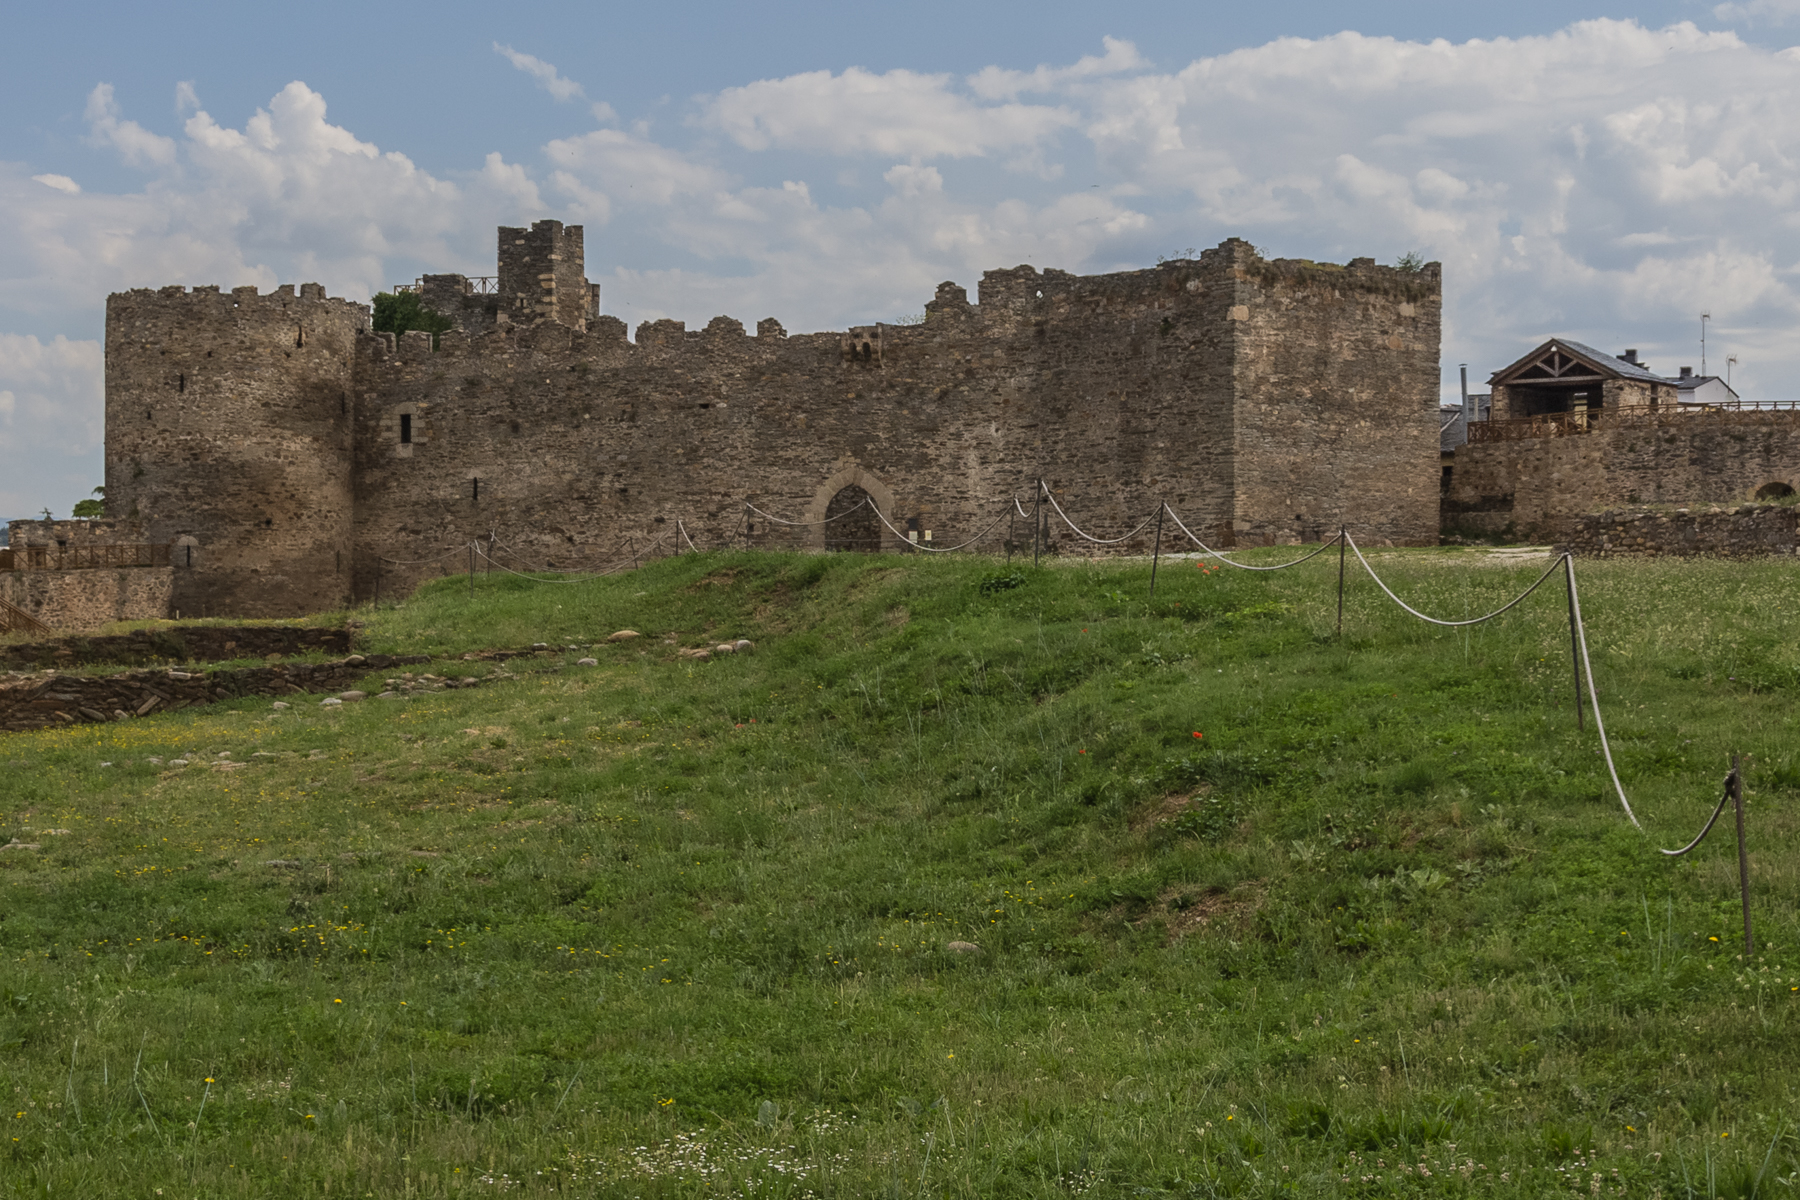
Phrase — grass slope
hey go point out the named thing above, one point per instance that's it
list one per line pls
(1261, 911)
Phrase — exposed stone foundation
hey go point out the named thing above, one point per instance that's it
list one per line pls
(1749, 531)
(182, 643)
(37, 702)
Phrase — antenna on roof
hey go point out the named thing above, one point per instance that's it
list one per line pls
(1730, 362)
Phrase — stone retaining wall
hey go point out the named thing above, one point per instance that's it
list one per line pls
(189, 643)
(39, 701)
(89, 599)
(1747, 531)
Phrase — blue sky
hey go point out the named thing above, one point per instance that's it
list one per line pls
(1604, 171)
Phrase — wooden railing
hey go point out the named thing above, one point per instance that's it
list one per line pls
(14, 619)
(84, 558)
(479, 285)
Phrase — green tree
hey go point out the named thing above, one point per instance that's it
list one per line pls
(92, 508)
(401, 312)
(1411, 261)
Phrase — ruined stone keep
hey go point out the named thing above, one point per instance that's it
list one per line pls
(298, 461)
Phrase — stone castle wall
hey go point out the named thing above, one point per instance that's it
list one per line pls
(228, 418)
(1336, 374)
(1534, 487)
(1266, 401)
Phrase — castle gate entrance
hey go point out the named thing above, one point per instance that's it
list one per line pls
(854, 525)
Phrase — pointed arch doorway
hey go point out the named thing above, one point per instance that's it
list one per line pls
(860, 529)
(853, 525)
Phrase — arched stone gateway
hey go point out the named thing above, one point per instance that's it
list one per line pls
(862, 531)
(1774, 491)
(854, 525)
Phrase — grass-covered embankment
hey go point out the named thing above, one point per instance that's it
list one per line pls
(1260, 910)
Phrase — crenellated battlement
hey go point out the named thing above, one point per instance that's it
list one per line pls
(310, 460)
(211, 299)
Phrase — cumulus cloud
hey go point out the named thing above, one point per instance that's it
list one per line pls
(61, 183)
(51, 409)
(135, 144)
(895, 114)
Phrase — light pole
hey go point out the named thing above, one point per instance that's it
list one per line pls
(1704, 318)
(1730, 362)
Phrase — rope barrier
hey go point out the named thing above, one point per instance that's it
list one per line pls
(828, 520)
(682, 529)
(604, 571)
(1724, 799)
(1594, 695)
(1356, 550)
(1246, 566)
(1097, 541)
(939, 549)
(420, 562)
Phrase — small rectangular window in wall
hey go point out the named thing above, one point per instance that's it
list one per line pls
(406, 429)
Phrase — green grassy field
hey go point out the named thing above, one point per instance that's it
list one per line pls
(1260, 910)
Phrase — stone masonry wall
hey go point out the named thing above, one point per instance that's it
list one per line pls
(1115, 389)
(289, 451)
(1747, 531)
(228, 421)
(1336, 376)
(1533, 487)
(89, 599)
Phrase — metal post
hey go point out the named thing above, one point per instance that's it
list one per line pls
(378, 580)
(1736, 784)
(1009, 532)
(1037, 524)
(1574, 645)
(471, 570)
(1156, 554)
(631, 544)
(1343, 541)
(746, 524)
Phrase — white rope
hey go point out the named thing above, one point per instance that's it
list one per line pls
(1713, 820)
(1435, 621)
(608, 570)
(394, 562)
(682, 529)
(940, 549)
(1095, 540)
(828, 520)
(1594, 694)
(1244, 566)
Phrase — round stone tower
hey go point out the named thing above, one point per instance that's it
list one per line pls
(228, 419)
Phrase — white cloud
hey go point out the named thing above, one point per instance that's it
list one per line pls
(547, 76)
(61, 183)
(998, 83)
(1771, 12)
(135, 144)
(51, 416)
(187, 99)
(896, 114)
(551, 80)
